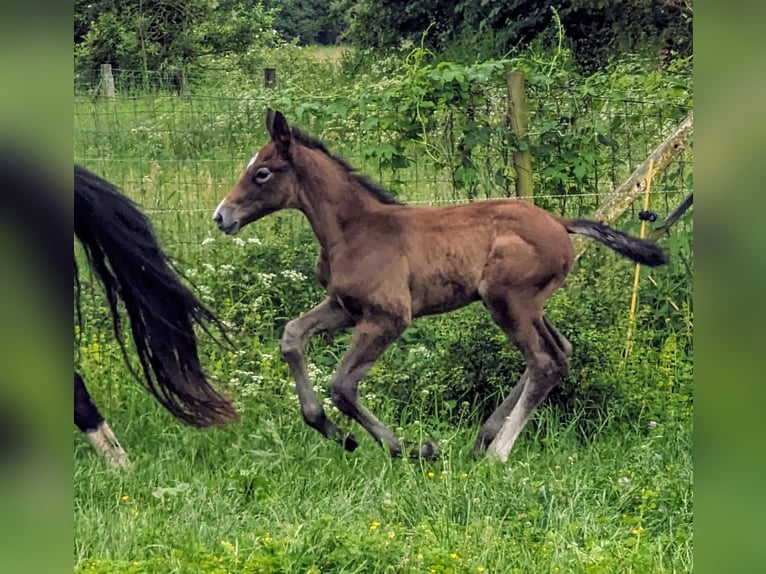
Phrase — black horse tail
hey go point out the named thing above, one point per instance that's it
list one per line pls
(121, 248)
(639, 250)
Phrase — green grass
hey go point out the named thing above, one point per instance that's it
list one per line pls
(269, 494)
(332, 54)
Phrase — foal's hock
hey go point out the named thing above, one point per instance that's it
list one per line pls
(384, 264)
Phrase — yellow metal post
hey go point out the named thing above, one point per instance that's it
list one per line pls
(637, 275)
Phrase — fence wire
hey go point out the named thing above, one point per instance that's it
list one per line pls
(177, 155)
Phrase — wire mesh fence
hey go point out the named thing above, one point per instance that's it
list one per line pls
(178, 154)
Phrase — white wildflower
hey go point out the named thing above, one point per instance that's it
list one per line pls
(293, 275)
(266, 278)
(421, 351)
(239, 241)
(207, 240)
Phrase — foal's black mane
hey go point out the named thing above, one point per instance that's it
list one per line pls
(373, 188)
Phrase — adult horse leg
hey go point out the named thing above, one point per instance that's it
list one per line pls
(371, 338)
(89, 421)
(495, 421)
(326, 316)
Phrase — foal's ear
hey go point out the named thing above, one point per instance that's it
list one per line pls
(279, 131)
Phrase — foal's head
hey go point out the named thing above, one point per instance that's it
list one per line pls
(267, 185)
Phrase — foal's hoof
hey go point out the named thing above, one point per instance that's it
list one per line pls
(349, 443)
(429, 450)
(479, 450)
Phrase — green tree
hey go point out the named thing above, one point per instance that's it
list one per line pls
(598, 30)
(308, 21)
(165, 34)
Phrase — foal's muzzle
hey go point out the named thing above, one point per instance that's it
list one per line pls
(228, 227)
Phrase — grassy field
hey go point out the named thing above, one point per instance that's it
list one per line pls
(598, 483)
(270, 495)
(600, 480)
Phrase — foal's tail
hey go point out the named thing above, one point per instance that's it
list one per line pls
(122, 250)
(639, 250)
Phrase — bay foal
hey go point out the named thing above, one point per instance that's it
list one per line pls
(384, 264)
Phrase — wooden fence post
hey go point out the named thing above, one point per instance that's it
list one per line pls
(178, 82)
(517, 113)
(269, 77)
(107, 81)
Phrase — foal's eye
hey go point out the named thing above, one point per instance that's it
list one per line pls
(262, 175)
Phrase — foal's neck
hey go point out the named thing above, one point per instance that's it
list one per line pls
(330, 196)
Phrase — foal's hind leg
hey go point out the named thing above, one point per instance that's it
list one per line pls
(547, 364)
(89, 421)
(493, 424)
(326, 316)
(519, 313)
(561, 341)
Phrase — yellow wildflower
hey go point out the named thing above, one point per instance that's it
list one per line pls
(374, 525)
(430, 474)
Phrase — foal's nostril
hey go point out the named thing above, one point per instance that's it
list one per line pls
(218, 218)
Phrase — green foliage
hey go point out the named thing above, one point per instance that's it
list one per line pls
(308, 21)
(269, 495)
(162, 35)
(598, 32)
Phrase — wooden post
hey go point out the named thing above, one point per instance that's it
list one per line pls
(269, 77)
(107, 81)
(178, 82)
(517, 113)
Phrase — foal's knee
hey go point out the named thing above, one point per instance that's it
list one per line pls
(546, 375)
(553, 370)
(292, 340)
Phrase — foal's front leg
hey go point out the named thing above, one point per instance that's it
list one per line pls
(326, 316)
(371, 338)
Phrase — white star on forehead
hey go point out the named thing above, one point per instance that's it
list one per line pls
(252, 161)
